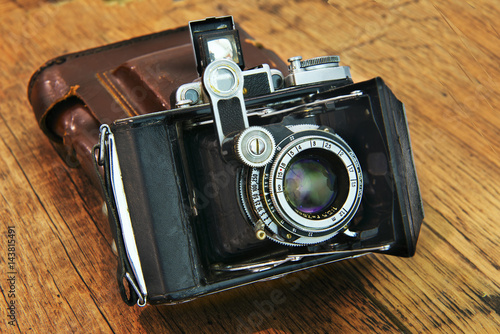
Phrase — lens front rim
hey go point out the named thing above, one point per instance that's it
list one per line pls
(314, 230)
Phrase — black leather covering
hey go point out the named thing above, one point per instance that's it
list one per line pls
(166, 247)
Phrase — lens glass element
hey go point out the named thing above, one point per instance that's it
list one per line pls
(222, 48)
(310, 185)
(224, 79)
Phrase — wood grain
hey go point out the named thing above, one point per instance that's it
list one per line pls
(440, 58)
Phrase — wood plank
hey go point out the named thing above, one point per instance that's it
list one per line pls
(441, 59)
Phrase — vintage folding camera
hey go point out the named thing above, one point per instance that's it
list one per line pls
(256, 173)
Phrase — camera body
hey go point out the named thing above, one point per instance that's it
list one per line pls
(256, 174)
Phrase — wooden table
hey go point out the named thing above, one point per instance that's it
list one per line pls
(440, 58)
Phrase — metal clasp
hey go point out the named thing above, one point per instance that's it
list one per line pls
(104, 131)
(142, 297)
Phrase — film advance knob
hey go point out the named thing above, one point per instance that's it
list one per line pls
(255, 146)
(324, 60)
(298, 65)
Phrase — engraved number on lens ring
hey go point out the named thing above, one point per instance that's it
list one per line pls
(255, 193)
(262, 205)
(259, 180)
(299, 223)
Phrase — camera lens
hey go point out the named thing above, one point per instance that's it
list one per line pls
(310, 191)
(310, 185)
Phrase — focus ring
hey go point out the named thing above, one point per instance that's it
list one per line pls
(325, 224)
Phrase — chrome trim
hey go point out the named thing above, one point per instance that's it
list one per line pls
(224, 71)
(319, 69)
(262, 266)
(268, 111)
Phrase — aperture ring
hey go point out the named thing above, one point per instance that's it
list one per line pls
(330, 222)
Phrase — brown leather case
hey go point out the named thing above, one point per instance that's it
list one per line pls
(72, 95)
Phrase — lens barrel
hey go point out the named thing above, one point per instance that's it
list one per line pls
(311, 190)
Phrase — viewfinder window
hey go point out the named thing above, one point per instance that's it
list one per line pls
(223, 48)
